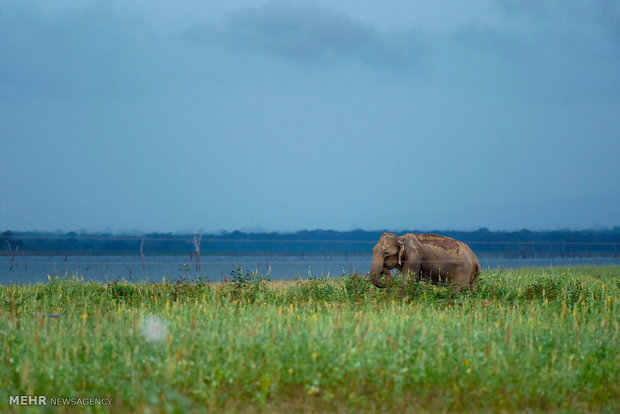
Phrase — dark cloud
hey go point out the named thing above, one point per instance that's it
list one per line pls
(84, 53)
(524, 7)
(595, 15)
(560, 53)
(306, 32)
(609, 13)
(312, 33)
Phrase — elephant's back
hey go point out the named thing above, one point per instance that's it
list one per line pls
(439, 243)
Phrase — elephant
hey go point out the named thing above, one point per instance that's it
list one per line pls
(424, 256)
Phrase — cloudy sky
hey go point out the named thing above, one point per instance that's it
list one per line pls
(285, 115)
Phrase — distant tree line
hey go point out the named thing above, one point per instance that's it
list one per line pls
(515, 244)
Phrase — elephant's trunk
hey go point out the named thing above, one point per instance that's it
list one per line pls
(376, 270)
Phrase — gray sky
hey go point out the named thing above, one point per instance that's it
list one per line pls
(284, 115)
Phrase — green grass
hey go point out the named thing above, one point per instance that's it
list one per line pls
(529, 339)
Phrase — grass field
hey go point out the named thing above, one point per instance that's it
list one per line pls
(529, 339)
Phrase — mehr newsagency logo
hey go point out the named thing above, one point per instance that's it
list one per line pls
(57, 401)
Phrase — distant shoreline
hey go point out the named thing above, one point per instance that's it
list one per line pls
(516, 244)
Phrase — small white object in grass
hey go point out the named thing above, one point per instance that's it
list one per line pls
(154, 329)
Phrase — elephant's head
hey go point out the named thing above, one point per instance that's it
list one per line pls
(386, 255)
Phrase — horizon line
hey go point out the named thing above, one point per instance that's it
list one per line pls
(138, 233)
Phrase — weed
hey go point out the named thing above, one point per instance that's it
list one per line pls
(524, 340)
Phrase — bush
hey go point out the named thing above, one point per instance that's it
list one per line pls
(247, 285)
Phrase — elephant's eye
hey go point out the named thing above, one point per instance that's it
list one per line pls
(386, 254)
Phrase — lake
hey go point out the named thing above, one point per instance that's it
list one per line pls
(33, 269)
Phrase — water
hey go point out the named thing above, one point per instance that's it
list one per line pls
(33, 269)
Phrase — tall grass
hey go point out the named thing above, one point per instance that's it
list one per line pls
(541, 339)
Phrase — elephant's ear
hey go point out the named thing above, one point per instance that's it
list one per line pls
(400, 252)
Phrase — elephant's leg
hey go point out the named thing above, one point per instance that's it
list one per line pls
(409, 270)
(461, 278)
